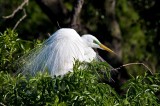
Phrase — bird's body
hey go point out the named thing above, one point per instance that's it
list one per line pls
(59, 52)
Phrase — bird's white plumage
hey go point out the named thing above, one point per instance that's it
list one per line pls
(57, 53)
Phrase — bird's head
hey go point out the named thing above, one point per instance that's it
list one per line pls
(93, 42)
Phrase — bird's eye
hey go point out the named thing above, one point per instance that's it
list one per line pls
(96, 42)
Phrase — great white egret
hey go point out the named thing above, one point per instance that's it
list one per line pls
(58, 52)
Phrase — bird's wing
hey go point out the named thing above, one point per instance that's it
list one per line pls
(63, 52)
(55, 55)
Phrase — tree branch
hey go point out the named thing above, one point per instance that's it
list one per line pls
(129, 64)
(23, 17)
(20, 7)
(113, 27)
(76, 12)
(2, 104)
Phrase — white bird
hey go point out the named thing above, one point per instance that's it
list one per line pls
(58, 53)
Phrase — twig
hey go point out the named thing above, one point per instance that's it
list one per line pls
(20, 7)
(58, 25)
(129, 64)
(76, 12)
(20, 19)
(48, 34)
(2, 104)
(25, 2)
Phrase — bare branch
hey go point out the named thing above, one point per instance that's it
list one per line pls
(20, 7)
(58, 25)
(76, 12)
(25, 2)
(2, 104)
(24, 16)
(129, 64)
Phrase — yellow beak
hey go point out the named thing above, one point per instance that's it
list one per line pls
(106, 48)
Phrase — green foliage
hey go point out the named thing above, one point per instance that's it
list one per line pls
(133, 35)
(136, 37)
(11, 47)
(141, 90)
(82, 87)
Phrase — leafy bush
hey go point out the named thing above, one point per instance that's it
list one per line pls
(11, 47)
(82, 87)
(9, 43)
(141, 90)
